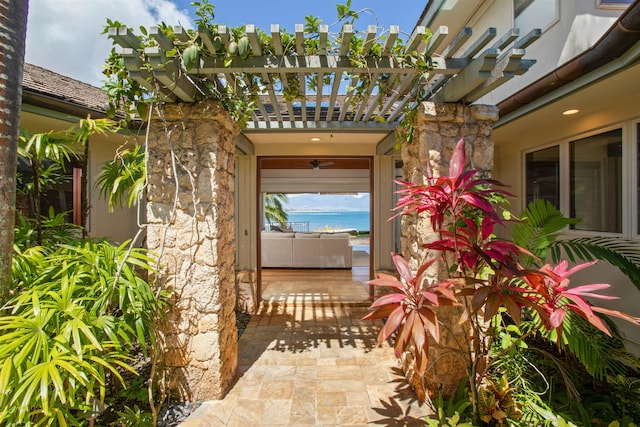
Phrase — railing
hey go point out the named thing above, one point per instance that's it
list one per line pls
(296, 227)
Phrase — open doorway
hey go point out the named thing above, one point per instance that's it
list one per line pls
(318, 247)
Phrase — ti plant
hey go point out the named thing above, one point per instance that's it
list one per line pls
(487, 279)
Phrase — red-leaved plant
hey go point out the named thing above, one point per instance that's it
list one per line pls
(488, 274)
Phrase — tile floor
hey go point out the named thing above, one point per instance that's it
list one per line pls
(308, 363)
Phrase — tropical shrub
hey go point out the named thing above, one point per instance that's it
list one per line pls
(122, 179)
(488, 279)
(79, 311)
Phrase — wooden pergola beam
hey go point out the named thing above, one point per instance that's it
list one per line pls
(453, 76)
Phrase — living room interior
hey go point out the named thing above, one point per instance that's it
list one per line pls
(307, 264)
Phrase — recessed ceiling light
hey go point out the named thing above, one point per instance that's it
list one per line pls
(570, 112)
(316, 139)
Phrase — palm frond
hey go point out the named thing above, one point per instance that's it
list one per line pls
(541, 224)
(621, 253)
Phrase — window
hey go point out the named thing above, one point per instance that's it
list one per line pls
(596, 182)
(613, 4)
(542, 169)
(530, 14)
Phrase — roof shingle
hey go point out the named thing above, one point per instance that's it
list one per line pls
(39, 81)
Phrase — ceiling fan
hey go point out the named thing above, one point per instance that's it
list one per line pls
(316, 165)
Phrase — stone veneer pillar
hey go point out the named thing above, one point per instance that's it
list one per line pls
(191, 230)
(438, 127)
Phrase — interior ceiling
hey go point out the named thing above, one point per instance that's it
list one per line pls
(324, 163)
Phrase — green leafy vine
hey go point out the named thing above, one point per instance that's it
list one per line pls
(240, 93)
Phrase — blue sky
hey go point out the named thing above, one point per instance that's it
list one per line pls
(287, 13)
(64, 35)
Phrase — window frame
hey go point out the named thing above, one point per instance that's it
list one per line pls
(613, 4)
(630, 175)
(553, 21)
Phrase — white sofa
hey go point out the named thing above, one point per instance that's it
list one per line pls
(306, 250)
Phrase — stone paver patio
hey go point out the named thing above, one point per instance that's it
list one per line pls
(309, 363)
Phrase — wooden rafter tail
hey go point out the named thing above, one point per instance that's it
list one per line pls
(372, 32)
(223, 32)
(506, 39)
(459, 40)
(480, 43)
(124, 37)
(347, 34)
(478, 71)
(526, 40)
(436, 40)
(506, 68)
(394, 31)
(256, 50)
(181, 34)
(163, 41)
(416, 42)
(207, 39)
(276, 39)
(299, 39)
(323, 34)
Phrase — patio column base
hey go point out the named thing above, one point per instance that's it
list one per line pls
(191, 229)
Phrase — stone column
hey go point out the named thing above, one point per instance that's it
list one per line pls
(438, 128)
(191, 229)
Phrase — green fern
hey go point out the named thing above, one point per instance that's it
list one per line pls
(540, 227)
(621, 253)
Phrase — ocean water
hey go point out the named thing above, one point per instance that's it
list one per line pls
(320, 221)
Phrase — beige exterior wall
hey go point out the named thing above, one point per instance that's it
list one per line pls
(117, 226)
(579, 24)
(121, 224)
(618, 107)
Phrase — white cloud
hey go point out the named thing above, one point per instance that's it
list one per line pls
(65, 35)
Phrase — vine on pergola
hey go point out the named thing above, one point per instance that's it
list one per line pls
(240, 93)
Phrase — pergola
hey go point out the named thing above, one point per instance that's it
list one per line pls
(352, 98)
(192, 145)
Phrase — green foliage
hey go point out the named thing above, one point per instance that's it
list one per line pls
(78, 311)
(274, 208)
(621, 253)
(540, 231)
(542, 224)
(240, 91)
(122, 180)
(453, 411)
(54, 228)
(134, 417)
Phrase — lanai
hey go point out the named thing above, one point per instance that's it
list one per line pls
(202, 167)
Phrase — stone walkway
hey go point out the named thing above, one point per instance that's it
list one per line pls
(309, 364)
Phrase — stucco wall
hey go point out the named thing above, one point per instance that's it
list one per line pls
(117, 226)
(580, 25)
(617, 106)
(121, 224)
